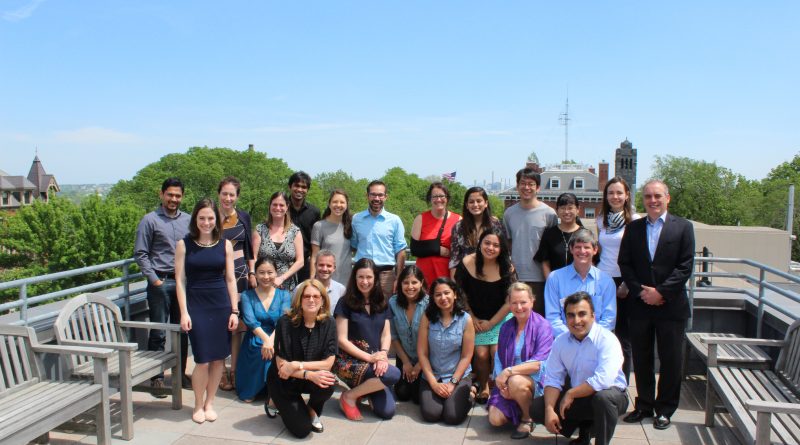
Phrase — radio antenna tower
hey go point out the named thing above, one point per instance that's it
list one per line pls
(564, 120)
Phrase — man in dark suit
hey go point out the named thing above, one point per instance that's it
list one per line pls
(656, 258)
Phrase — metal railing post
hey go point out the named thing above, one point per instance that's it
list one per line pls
(23, 295)
(760, 315)
(690, 321)
(126, 291)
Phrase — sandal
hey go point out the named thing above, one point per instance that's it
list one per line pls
(226, 383)
(521, 432)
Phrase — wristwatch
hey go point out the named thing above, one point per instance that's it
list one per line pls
(454, 380)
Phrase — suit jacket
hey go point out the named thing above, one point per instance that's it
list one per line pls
(667, 272)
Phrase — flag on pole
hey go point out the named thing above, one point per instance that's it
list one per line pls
(449, 176)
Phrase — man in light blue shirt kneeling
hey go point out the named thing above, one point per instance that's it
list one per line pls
(584, 386)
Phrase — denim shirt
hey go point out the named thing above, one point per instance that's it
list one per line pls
(401, 331)
(444, 346)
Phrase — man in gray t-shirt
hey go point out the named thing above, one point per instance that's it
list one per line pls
(525, 222)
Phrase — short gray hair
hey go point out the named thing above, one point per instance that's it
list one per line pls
(326, 252)
(582, 236)
(656, 181)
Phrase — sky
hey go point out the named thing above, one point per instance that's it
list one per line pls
(103, 88)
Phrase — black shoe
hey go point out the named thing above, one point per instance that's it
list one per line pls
(637, 416)
(271, 411)
(584, 438)
(661, 422)
(158, 385)
(316, 425)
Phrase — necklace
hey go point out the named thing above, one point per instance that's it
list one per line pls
(566, 246)
(206, 245)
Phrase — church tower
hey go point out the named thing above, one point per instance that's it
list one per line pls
(625, 165)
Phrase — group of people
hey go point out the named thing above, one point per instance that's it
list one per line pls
(520, 314)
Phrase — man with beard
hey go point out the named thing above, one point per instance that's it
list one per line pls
(154, 252)
(303, 215)
(380, 236)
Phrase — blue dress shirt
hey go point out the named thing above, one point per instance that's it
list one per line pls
(596, 360)
(444, 346)
(566, 281)
(654, 233)
(378, 238)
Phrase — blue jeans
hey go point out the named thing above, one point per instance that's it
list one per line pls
(162, 304)
(383, 404)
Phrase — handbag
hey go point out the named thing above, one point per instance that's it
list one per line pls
(429, 247)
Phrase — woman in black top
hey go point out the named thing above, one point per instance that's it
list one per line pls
(305, 348)
(553, 252)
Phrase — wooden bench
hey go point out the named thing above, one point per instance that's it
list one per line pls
(764, 404)
(31, 405)
(95, 321)
(734, 354)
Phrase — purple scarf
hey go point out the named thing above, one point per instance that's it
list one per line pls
(538, 340)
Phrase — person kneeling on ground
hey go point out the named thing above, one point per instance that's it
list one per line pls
(445, 345)
(589, 359)
(305, 348)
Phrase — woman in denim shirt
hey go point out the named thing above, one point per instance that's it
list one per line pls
(445, 345)
(408, 307)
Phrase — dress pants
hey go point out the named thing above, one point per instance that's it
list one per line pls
(623, 332)
(601, 410)
(287, 395)
(667, 335)
(405, 390)
(162, 306)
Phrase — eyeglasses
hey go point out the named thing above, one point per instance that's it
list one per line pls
(438, 197)
(377, 195)
(312, 297)
(527, 185)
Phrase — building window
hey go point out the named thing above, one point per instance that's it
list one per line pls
(27, 197)
(589, 211)
(579, 183)
(5, 198)
(555, 183)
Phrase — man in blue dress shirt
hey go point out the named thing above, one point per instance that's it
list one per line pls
(380, 236)
(581, 275)
(584, 386)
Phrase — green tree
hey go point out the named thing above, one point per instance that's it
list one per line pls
(773, 206)
(706, 192)
(201, 169)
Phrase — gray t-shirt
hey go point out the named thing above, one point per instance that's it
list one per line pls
(330, 236)
(525, 228)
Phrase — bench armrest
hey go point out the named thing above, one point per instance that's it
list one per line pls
(150, 325)
(101, 344)
(742, 341)
(76, 350)
(773, 407)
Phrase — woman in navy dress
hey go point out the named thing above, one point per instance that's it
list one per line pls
(208, 300)
(261, 309)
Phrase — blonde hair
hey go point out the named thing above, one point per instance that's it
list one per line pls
(295, 312)
(520, 286)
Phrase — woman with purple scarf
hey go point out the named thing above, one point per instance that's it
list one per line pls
(523, 346)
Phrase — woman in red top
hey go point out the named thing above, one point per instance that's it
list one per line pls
(431, 232)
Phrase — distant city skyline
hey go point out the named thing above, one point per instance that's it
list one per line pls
(105, 88)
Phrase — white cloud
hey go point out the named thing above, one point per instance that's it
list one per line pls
(95, 135)
(21, 13)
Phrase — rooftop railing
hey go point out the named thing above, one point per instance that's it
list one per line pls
(758, 278)
(26, 301)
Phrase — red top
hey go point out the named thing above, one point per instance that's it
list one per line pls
(435, 266)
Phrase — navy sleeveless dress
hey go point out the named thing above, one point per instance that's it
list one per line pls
(208, 301)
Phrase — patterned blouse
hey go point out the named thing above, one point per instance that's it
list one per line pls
(283, 254)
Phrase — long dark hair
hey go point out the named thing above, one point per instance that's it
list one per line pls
(410, 271)
(194, 232)
(347, 218)
(459, 306)
(626, 206)
(468, 229)
(354, 298)
(503, 259)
